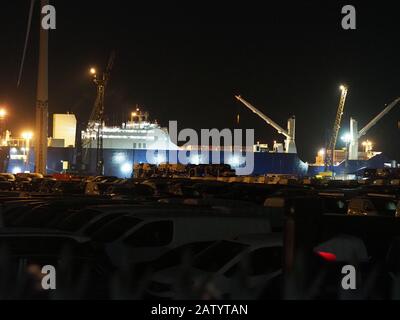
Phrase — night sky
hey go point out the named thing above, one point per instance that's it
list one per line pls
(186, 63)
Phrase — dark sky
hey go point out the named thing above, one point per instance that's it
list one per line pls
(186, 61)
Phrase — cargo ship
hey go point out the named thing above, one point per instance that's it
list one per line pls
(130, 143)
(127, 144)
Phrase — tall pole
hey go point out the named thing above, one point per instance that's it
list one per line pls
(42, 101)
(346, 164)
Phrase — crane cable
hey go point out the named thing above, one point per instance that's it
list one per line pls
(28, 31)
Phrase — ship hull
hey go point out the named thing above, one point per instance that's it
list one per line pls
(119, 162)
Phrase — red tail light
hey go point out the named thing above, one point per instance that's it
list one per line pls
(327, 256)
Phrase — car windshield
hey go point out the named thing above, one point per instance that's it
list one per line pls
(335, 205)
(179, 254)
(77, 220)
(216, 256)
(384, 206)
(115, 229)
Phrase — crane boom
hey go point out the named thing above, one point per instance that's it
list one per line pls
(336, 127)
(364, 130)
(264, 117)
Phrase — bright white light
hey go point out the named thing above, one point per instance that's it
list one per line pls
(195, 159)
(321, 152)
(16, 170)
(13, 150)
(159, 159)
(119, 158)
(27, 135)
(126, 168)
(3, 113)
(235, 162)
(346, 138)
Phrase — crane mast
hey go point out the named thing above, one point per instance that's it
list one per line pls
(330, 151)
(96, 120)
(289, 134)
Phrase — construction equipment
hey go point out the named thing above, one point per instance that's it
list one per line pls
(96, 120)
(330, 150)
(290, 145)
(356, 135)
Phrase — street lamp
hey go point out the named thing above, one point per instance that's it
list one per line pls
(368, 147)
(321, 155)
(3, 113)
(347, 139)
(27, 136)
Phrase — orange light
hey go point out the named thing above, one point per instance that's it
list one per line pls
(27, 135)
(3, 113)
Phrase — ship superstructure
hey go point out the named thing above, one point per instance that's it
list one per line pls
(137, 133)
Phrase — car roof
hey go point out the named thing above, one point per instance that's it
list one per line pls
(37, 232)
(270, 239)
(171, 210)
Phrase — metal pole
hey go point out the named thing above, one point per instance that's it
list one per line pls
(42, 101)
(346, 160)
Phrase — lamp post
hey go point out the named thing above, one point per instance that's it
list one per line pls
(133, 115)
(3, 115)
(27, 136)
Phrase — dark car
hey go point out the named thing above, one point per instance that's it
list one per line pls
(69, 187)
(5, 184)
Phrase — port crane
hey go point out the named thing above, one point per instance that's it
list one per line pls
(96, 120)
(290, 145)
(330, 150)
(355, 135)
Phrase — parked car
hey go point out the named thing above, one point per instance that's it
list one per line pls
(148, 233)
(373, 205)
(216, 271)
(82, 269)
(69, 187)
(10, 177)
(5, 184)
